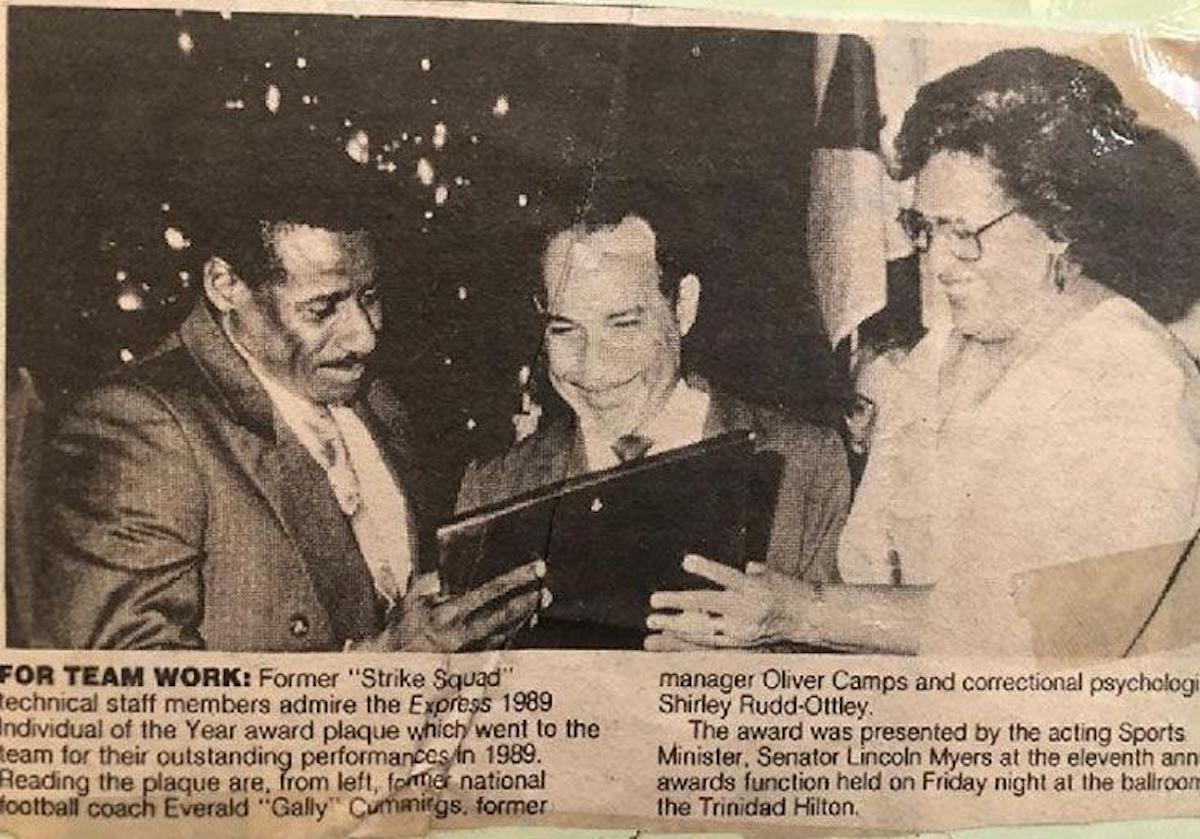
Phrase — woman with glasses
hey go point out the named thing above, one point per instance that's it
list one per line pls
(1052, 421)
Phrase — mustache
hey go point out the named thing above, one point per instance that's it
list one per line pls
(347, 361)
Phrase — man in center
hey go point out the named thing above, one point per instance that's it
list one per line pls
(614, 320)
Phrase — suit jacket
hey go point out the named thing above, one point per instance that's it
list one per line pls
(183, 513)
(806, 513)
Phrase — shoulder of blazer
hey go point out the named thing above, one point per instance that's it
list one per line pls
(541, 458)
(776, 427)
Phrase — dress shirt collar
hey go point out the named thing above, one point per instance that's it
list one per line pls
(679, 423)
(299, 413)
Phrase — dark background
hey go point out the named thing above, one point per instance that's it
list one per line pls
(118, 120)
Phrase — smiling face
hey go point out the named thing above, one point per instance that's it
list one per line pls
(314, 328)
(612, 337)
(995, 296)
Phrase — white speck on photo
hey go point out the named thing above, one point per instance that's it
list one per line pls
(175, 239)
(358, 147)
(425, 172)
(129, 301)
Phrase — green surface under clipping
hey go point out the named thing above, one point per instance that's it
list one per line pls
(1177, 18)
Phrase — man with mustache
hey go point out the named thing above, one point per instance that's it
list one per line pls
(615, 316)
(249, 486)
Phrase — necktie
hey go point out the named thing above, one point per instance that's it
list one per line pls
(334, 457)
(335, 460)
(631, 447)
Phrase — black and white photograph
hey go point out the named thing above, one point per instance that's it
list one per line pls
(334, 332)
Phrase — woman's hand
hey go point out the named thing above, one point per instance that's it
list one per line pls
(751, 609)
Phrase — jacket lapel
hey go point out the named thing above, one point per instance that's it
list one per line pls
(724, 414)
(381, 412)
(766, 534)
(239, 393)
(718, 421)
(560, 453)
(296, 487)
(291, 482)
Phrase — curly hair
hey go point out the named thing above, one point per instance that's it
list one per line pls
(1077, 161)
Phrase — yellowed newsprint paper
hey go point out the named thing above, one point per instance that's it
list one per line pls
(448, 416)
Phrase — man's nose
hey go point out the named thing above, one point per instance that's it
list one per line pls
(359, 330)
(595, 361)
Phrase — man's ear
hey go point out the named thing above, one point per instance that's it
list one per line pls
(222, 285)
(687, 303)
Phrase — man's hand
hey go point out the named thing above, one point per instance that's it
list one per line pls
(423, 622)
(750, 610)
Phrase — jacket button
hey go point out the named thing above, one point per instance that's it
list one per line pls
(298, 624)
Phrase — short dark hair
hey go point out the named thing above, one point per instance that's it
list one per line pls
(606, 207)
(1076, 160)
(250, 199)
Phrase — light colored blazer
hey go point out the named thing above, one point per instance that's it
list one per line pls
(183, 513)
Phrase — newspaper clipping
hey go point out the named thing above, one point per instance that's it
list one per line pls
(423, 417)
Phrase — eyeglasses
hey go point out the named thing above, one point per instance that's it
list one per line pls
(964, 242)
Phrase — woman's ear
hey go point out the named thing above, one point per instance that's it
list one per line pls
(687, 303)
